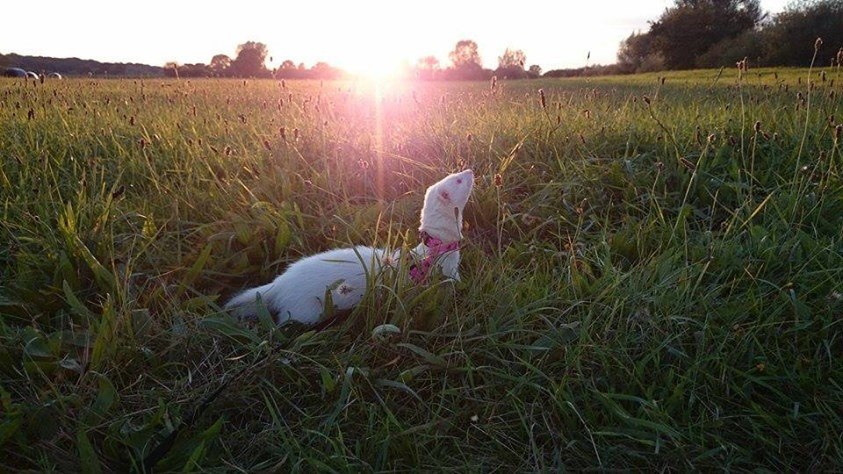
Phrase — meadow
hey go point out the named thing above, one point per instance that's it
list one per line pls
(652, 274)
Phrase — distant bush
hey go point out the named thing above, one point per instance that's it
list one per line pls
(731, 50)
(597, 70)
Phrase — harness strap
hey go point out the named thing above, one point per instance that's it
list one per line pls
(436, 248)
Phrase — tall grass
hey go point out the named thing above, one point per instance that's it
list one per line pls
(647, 283)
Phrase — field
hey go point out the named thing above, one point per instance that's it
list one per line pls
(652, 274)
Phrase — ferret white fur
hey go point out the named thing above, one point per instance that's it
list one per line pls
(298, 293)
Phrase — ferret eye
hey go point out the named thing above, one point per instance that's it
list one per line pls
(459, 181)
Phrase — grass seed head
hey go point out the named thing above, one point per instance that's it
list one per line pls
(542, 98)
(818, 43)
(498, 180)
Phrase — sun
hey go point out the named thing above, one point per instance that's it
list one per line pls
(372, 66)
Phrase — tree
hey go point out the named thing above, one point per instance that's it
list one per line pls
(194, 70)
(789, 39)
(429, 63)
(323, 70)
(636, 53)
(511, 64)
(512, 59)
(534, 71)
(465, 56)
(220, 64)
(171, 69)
(250, 60)
(691, 27)
(427, 67)
(287, 64)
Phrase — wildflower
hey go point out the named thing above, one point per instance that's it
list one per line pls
(581, 208)
(283, 133)
(688, 164)
(499, 180)
(267, 145)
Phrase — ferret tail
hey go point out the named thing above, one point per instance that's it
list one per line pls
(245, 304)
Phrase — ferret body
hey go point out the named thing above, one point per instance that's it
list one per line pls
(299, 293)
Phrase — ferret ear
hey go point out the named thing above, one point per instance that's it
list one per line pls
(444, 196)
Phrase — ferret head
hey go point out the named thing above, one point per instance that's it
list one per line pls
(444, 202)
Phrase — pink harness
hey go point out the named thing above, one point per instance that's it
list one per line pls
(435, 247)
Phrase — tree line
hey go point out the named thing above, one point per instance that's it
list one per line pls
(716, 33)
(78, 67)
(465, 63)
(250, 62)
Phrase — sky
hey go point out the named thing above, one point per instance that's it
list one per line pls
(360, 36)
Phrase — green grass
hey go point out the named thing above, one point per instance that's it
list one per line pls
(651, 286)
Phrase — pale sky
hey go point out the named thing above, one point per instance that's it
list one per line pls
(354, 35)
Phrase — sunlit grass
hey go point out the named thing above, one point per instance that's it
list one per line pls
(651, 284)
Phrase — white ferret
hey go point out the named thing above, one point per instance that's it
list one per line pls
(298, 294)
